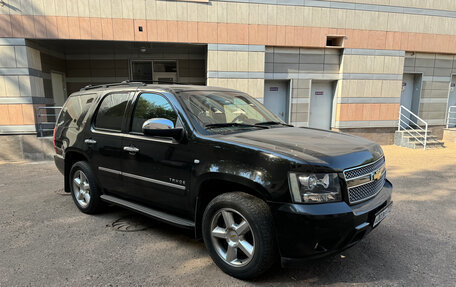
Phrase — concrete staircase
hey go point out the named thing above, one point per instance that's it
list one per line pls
(414, 139)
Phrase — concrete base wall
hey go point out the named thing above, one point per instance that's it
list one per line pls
(383, 136)
(25, 147)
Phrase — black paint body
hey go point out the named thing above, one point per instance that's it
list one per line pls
(259, 159)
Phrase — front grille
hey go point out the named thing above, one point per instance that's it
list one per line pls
(368, 189)
(365, 191)
(357, 172)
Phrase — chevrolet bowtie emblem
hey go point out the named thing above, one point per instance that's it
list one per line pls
(377, 175)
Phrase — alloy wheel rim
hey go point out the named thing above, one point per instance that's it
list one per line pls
(232, 237)
(81, 188)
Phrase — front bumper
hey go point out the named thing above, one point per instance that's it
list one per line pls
(306, 231)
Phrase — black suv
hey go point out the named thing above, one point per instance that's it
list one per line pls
(217, 161)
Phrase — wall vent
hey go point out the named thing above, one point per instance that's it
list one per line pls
(335, 41)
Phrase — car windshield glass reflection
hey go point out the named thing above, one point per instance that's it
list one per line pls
(226, 111)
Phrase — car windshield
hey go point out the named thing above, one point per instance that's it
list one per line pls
(227, 111)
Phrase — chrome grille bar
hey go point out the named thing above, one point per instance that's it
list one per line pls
(366, 181)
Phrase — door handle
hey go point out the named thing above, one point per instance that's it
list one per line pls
(90, 141)
(131, 149)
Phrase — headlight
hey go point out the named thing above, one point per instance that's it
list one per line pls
(314, 187)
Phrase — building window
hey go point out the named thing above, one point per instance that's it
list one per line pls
(157, 71)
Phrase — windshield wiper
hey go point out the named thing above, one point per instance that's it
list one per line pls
(272, 123)
(222, 125)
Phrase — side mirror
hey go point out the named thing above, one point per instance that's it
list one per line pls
(159, 127)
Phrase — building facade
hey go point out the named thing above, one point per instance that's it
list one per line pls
(342, 65)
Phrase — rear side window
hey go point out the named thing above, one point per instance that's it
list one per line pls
(111, 111)
(75, 110)
(151, 106)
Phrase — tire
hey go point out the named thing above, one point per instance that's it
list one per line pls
(220, 240)
(86, 193)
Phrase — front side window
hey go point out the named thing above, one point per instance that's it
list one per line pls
(149, 106)
(111, 112)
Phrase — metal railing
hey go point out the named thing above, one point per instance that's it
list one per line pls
(46, 121)
(451, 118)
(413, 125)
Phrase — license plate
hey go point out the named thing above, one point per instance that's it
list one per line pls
(382, 214)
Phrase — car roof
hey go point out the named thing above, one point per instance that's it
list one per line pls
(171, 88)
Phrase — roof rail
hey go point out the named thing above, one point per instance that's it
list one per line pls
(123, 83)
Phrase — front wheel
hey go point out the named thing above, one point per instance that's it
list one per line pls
(238, 232)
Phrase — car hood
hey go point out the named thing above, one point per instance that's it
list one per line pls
(328, 149)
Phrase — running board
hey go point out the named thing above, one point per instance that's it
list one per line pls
(149, 211)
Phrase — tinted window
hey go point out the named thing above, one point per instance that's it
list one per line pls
(111, 111)
(75, 110)
(151, 106)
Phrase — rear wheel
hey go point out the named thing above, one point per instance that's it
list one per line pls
(84, 189)
(238, 232)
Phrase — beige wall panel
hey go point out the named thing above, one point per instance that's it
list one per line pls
(73, 10)
(94, 8)
(116, 8)
(38, 7)
(212, 12)
(60, 7)
(12, 86)
(139, 9)
(212, 82)
(49, 7)
(171, 10)
(151, 9)
(2, 87)
(242, 85)
(242, 13)
(272, 15)
(283, 15)
(7, 57)
(25, 87)
(263, 14)
(231, 11)
(160, 7)
(222, 61)
(307, 16)
(316, 16)
(127, 8)
(201, 12)
(182, 11)
(21, 56)
(253, 13)
(325, 14)
(221, 12)
(192, 11)
(212, 64)
(256, 61)
(83, 8)
(105, 8)
(242, 61)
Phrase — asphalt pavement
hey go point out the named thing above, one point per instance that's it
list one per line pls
(46, 241)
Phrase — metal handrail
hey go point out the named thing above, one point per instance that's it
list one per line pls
(403, 119)
(451, 116)
(42, 124)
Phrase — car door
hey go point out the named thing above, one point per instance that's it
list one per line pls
(156, 170)
(104, 140)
